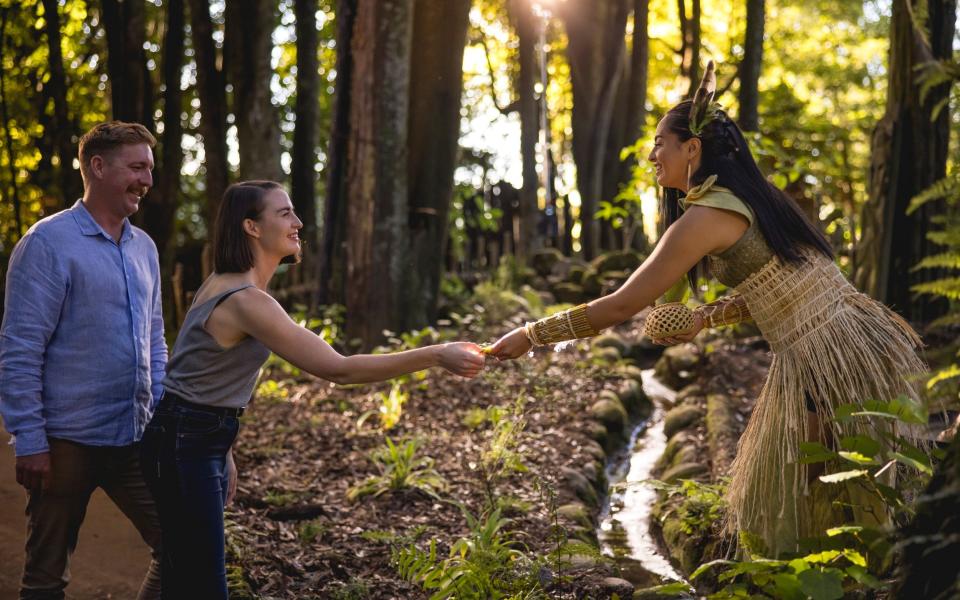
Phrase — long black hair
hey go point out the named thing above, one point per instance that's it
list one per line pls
(725, 153)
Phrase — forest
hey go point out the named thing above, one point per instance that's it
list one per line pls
(462, 167)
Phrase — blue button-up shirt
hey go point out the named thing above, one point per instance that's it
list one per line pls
(82, 352)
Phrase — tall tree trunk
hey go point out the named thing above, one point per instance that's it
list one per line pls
(303, 190)
(908, 154)
(332, 264)
(595, 50)
(525, 23)
(159, 210)
(436, 83)
(7, 136)
(378, 212)
(248, 43)
(131, 92)
(213, 107)
(749, 97)
(57, 87)
(691, 43)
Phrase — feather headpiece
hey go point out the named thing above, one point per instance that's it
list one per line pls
(704, 109)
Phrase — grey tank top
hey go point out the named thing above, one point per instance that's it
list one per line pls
(204, 372)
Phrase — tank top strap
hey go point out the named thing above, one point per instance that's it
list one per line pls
(206, 307)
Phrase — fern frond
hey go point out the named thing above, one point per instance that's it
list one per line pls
(947, 187)
(949, 237)
(946, 260)
(948, 320)
(948, 287)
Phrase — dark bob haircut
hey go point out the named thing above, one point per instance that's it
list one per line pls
(241, 201)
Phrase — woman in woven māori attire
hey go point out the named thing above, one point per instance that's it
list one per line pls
(832, 345)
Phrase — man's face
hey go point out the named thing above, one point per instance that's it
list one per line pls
(125, 176)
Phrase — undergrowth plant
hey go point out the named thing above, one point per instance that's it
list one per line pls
(400, 469)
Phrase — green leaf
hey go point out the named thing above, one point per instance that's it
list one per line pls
(943, 375)
(788, 586)
(912, 462)
(821, 585)
(843, 476)
(813, 452)
(861, 444)
(856, 457)
(707, 566)
(834, 531)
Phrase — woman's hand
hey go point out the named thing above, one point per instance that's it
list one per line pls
(231, 478)
(512, 345)
(682, 338)
(462, 358)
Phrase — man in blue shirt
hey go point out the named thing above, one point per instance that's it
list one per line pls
(82, 355)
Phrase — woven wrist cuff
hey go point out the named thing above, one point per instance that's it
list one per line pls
(567, 325)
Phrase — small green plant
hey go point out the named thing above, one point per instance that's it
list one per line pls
(391, 407)
(489, 563)
(500, 457)
(312, 530)
(701, 505)
(279, 498)
(354, 589)
(400, 469)
(272, 390)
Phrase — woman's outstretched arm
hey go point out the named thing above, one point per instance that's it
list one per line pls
(258, 315)
(700, 231)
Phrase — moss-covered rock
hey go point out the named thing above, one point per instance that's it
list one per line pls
(594, 450)
(576, 273)
(634, 399)
(678, 365)
(685, 470)
(606, 354)
(692, 394)
(631, 372)
(569, 293)
(609, 340)
(723, 431)
(581, 487)
(685, 550)
(597, 432)
(576, 513)
(611, 414)
(544, 259)
(626, 260)
(680, 418)
(591, 282)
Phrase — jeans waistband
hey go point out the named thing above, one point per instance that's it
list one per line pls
(175, 400)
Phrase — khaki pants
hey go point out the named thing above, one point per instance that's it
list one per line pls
(55, 515)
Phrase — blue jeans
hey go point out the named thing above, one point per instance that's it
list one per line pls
(183, 456)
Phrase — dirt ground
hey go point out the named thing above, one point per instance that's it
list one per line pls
(110, 560)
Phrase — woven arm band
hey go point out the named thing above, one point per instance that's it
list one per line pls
(726, 311)
(566, 325)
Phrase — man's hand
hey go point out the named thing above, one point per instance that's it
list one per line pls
(512, 345)
(33, 471)
(231, 478)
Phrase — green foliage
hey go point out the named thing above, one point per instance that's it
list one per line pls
(496, 303)
(701, 505)
(311, 530)
(500, 457)
(488, 563)
(272, 390)
(400, 469)
(354, 589)
(391, 406)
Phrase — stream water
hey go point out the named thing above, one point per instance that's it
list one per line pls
(625, 532)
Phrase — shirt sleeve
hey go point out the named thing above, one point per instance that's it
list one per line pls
(158, 343)
(35, 293)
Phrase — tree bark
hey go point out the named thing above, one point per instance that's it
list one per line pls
(8, 138)
(332, 264)
(378, 212)
(131, 92)
(749, 96)
(213, 108)
(248, 42)
(62, 129)
(160, 208)
(595, 50)
(690, 35)
(908, 154)
(525, 23)
(436, 84)
(303, 189)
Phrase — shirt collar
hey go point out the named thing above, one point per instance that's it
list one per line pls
(88, 226)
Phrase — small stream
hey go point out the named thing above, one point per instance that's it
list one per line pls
(625, 518)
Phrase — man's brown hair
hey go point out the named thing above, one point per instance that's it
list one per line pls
(104, 138)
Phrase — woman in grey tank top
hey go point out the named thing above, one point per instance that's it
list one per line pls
(227, 335)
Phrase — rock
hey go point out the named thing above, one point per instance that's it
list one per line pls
(685, 550)
(678, 365)
(591, 282)
(680, 418)
(587, 535)
(569, 293)
(576, 274)
(577, 514)
(634, 399)
(644, 350)
(693, 392)
(672, 449)
(606, 354)
(687, 470)
(722, 433)
(631, 372)
(611, 414)
(612, 280)
(595, 450)
(609, 340)
(581, 562)
(544, 259)
(626, 260)
(615, 585)
(597, 432)
(581, 487)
